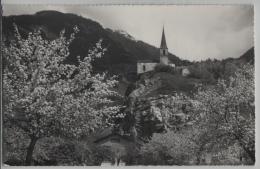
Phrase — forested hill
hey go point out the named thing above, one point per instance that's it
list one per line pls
(247, 57)
(123, 50)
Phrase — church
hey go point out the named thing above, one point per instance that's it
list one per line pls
(146, 65)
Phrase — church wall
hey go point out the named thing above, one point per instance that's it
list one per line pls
(145, 67)
(164, 60)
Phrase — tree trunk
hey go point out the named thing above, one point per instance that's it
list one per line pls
(118, 161)
(199, 154)
(29, 154)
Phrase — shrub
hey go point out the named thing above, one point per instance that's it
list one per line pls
(169, 148)
(165, 68)
(66, 152)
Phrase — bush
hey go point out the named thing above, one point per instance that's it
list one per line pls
(56, 151)
(201, 72)
(165, 68)
(169, 148)
(14, 145)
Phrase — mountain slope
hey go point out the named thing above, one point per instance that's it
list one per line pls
(123, 51)
(248, 56)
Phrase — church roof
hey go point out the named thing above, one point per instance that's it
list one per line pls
(163, 42)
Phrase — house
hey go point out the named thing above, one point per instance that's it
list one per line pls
(118, 144)
(147, 65)
(172, 64)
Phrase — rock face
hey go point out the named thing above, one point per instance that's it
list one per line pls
(147, 118)
(149, 85)
(151, 111)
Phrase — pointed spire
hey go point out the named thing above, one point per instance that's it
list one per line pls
(163, 42)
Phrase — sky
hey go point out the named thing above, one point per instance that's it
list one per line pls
(193, 32)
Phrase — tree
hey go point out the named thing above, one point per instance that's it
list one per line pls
(227, 111)
(44, 96)
(170, 148)
(221, 125)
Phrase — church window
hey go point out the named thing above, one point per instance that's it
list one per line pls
(144, 68)
(164, 53)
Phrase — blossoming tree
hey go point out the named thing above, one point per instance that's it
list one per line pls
(226, 112)
(217, 125)
(44, 96)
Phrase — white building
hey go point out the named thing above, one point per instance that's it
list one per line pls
(185, 72)
(146, 65)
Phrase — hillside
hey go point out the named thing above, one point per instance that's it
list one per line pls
(152, 87)
(207, 72)
(247, 57)
(123, 51)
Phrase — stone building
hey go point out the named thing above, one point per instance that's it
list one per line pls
(147, 65)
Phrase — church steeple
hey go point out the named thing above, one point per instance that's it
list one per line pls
(163, 50)
(163, 41)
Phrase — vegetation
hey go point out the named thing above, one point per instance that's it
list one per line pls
(171, 148)
(51, 109)
(44, 96)
(222, 128)
(210, 71)
(164, 68)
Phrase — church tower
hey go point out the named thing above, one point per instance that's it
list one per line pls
(163, 50)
